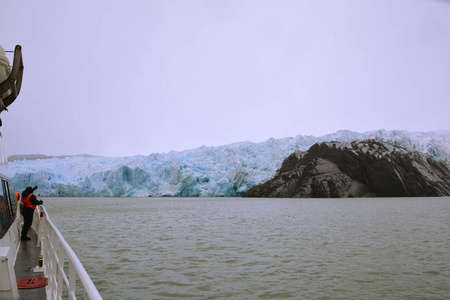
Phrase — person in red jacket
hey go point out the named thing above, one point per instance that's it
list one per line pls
(30, 202)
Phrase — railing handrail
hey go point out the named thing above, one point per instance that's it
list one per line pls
(90, 289)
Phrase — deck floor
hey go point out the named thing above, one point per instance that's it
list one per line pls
(27, 259)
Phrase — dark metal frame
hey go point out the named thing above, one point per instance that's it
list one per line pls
(14, 80)
(8, 207)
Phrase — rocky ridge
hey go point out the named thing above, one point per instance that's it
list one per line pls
(367, 168)
(223, 171)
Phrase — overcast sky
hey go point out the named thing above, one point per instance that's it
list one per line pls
(119, 78)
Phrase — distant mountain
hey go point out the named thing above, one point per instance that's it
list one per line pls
(356, 169)
(228, 170)
(42, 156)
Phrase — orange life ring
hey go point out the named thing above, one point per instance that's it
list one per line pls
(31, 282)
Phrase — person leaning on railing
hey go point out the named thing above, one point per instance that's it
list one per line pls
(29, 202)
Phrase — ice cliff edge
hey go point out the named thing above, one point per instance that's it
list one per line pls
(228, 170)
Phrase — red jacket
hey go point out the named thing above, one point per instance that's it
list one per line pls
(30, 201)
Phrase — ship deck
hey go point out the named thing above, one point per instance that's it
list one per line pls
(27, 259)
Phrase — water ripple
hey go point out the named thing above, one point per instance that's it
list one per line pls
(260, 249)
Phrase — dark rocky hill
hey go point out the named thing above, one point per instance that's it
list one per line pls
(367, 168)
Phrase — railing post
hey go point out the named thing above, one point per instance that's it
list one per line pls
(72, 279)
(60, 267)
(52, 262)
(42, 223)
(36, 223)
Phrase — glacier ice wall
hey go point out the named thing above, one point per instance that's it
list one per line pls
(224, 171)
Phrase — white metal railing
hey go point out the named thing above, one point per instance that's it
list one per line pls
(57, 254)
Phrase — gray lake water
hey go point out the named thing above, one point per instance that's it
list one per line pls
(234, 248)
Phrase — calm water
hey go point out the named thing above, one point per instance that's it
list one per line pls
(216, 248)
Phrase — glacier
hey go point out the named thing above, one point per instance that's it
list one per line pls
(222, 171)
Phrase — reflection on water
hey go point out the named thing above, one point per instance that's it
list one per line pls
(233, 248)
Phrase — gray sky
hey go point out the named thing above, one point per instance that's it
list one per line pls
(118, 78)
